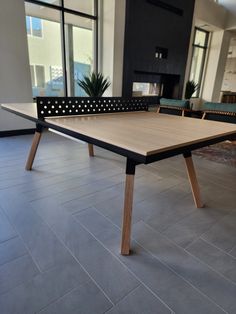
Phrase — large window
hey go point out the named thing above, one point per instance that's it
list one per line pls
(199, 55)
(62, 43)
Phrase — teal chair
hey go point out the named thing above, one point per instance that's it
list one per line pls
(173, 106)
(219, 112)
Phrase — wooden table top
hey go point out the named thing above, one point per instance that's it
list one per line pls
(144, 133)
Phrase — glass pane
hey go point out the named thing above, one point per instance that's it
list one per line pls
(28, 25)
(45, 52)
(196, 67)
(200, 38)
(36, 26)
(80, 50)
(85, 6)
(55, 2)
(40, 75)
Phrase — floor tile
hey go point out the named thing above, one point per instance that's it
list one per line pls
(193, 225)
(171, 288)
(140, 301)
(223, 234)
(6, 230)
(39, 239)
(11, 249)
(105, 269)
(42, 290)
(197, 273)
(86, 299)
(16, 272)
(47, 214)
(92, 199)
(215, 258)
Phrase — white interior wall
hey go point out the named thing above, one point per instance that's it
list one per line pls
(215, 66)
(119, 33)
(231, 21)
(229, 81)
(108, 17)
(214, 18)
(221, 66)
(113, 28)
(15, 81)
(211, 13)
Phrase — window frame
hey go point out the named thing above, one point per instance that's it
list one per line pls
(203, 61)
(63, 10)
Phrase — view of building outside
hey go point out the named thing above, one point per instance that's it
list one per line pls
(229, 80)
(198, 59)
(83, 55)
(45, 57)
(46, 51)
(80, 50)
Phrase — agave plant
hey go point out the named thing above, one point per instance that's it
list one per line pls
(191, 88)
(94, 84)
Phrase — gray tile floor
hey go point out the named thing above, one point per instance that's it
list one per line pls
(60, 234)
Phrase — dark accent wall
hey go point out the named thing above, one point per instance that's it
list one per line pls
(151, 24)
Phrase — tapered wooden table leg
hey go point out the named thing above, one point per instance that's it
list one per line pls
(128, 204)
(193, 180)
(90, 150)
(33, 149)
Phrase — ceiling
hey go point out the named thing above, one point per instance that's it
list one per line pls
(229, 4)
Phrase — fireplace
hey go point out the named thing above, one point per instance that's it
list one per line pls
(147, 89)
(155, 84)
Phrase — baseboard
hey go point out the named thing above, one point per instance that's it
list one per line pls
(16, 132)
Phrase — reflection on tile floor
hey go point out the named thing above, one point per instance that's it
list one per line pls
(60, 234)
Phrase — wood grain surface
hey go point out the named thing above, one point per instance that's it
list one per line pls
(145, 133)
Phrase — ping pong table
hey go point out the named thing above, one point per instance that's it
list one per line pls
(125, 127)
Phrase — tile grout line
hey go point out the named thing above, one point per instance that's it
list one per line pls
(12, 260)
(231, 251)
(26, 247)
(21, 283)
(195, 257)
(126, 267)
(218, 248)
(185, 280)
(229, 213)
(71, 189)
(59, 298)
(124, 297)
(188, 215)
(167, 266)
(71, 253)
(9, 239)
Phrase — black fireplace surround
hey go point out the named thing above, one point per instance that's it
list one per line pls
(154, 27)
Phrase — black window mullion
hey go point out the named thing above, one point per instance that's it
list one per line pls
(96, 38)
(63, 41)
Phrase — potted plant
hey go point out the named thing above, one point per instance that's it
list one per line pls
(94, 84)
(190, 89)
